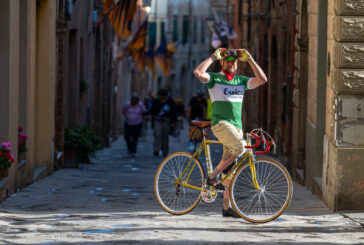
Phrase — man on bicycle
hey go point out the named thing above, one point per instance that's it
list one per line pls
(226, 91)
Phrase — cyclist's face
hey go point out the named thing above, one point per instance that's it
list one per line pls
(230, 65)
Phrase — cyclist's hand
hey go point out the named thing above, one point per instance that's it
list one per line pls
(243, 55)
(220, 54)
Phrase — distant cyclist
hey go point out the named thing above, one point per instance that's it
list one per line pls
(226, 90)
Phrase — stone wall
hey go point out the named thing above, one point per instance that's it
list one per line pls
(343, 182)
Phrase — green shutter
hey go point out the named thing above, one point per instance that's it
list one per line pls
(175, 29)
(162, 31)
(202, 31)
(185, 29)
(152, 32)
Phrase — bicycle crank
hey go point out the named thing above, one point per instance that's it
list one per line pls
(208, 193)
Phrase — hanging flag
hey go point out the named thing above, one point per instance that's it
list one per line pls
(173, 47)
(139, 40)
(223, 28)
(149, 60)
(215, 41)
(162, 57)
(120, 14)
(139, 58)
(136, 47)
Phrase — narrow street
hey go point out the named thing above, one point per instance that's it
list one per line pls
(111, 201)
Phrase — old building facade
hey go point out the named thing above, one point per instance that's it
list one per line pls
(28, 78)
(327, 101)
(57, 72)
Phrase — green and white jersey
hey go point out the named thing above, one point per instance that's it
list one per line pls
(227, 97)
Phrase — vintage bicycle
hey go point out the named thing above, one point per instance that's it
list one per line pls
(260, 190)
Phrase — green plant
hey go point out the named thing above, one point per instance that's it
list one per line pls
(83, 139)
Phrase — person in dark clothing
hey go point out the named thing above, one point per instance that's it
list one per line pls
(197, 108)
(164, 115)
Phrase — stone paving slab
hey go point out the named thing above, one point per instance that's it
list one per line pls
(111, 201)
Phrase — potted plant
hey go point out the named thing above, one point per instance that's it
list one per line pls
(6, 158)
(22, 147)
(84, 140)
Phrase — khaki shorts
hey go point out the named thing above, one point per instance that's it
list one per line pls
(232, 139)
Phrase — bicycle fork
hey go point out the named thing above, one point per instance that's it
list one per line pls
(254, 174)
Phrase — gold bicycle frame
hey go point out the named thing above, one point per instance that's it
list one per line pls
(205, 146)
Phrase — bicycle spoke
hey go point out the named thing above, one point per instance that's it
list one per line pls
(175, 198)
(273, 197)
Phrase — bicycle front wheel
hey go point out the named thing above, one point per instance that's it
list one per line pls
(274, 196)
(175, 193)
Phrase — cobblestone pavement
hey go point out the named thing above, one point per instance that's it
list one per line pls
(111, 201)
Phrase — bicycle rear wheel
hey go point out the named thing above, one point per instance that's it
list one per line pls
(173, 197)
(273, 198)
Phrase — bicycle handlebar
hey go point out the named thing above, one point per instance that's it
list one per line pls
(258, 139)
(257, 143)
(266, 150)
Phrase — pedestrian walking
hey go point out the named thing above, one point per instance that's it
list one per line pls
(164, 117)
(133, 112)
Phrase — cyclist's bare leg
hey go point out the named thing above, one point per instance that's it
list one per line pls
(226, 195)
(224, 163)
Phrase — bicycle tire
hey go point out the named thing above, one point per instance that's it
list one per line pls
(272, 201)
(173, 198)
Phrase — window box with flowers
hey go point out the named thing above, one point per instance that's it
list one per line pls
(6, 158)
(22, 144)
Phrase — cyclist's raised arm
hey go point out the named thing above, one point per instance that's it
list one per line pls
(260, 78)
(200, 71)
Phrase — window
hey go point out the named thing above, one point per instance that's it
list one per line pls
(152, 33)
(203, 31)
(195, 30)
(162, 25)
(175, 29)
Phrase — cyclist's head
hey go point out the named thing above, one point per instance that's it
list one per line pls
(230, 63)
(229, 66)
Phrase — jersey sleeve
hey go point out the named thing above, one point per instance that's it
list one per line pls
(245, 81)
(211, 82)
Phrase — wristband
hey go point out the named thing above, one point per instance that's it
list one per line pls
(213, 58)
